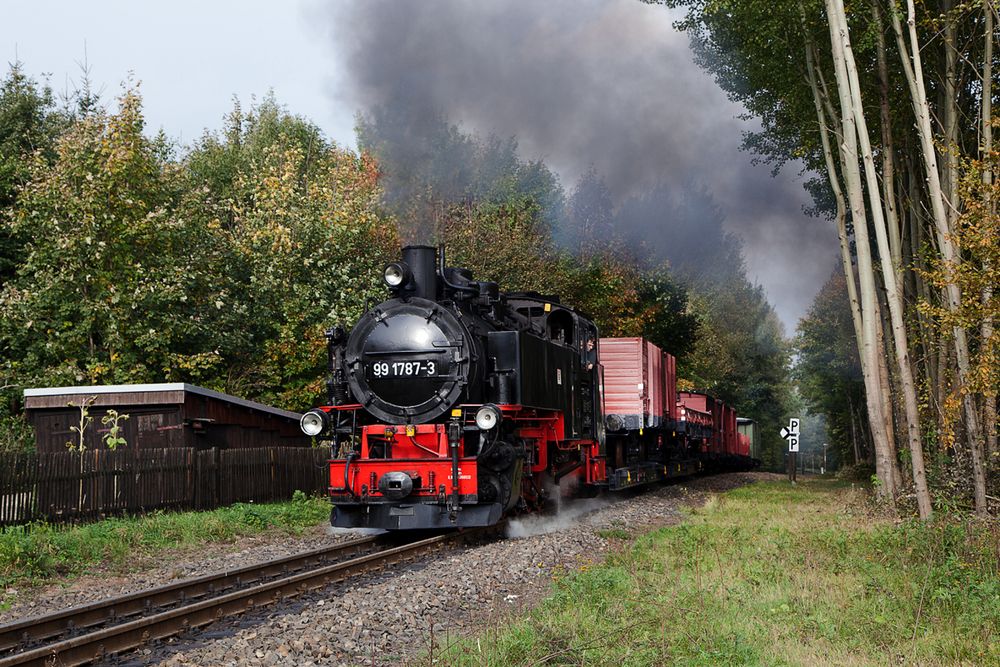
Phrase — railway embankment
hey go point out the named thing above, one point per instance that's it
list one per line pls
(407, 613)
(44, 568)
(712, 570)
(769, 574)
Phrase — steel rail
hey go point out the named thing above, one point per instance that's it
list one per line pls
(102, 642)
(32, 630)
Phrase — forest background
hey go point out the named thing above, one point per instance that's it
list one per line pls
(892, 104)
(128, 258)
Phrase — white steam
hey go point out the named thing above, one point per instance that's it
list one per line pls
(568, 514)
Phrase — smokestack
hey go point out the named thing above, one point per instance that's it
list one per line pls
(422, 260)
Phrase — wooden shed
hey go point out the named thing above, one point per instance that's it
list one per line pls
(160, 416)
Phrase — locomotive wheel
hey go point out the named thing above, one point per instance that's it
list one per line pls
(499, 458)
(506, 491)
(489, 490)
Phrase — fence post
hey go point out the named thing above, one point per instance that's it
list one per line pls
(192, 477)
(274, 481)
(216, 477)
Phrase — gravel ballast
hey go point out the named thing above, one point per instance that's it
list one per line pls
(404, 614)
(397, 616)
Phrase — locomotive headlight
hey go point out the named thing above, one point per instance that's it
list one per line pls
(313, 422)
(396, 274)
(487, 417)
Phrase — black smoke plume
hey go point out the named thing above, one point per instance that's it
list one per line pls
(607, 88)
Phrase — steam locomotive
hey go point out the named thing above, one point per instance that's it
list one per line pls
(452, 404)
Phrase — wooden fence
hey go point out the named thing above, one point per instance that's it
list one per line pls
(69, 487)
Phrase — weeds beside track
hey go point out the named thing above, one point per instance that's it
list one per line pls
(771, 574)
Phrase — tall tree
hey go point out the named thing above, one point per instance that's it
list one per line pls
(852, 104)
(304, 245)
(29, 125)
(896, 193)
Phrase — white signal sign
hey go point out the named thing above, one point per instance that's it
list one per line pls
(791, 434)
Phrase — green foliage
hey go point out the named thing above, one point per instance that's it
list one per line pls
(430, 164)
(741, 356)
(701, 307)
(103, 246)
(506, 242)
(39, 553)
(765, 575)
(977, 231)
(755, 49)
(672, 324)
(221, 269)
(29, 125)
(304, 246)
(16, 434)
(114, 438)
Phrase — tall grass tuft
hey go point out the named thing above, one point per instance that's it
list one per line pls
(770, 575)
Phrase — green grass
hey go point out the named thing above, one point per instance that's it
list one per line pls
(42, 554)
(770, 575)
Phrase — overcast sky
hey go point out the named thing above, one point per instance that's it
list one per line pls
(581, 83)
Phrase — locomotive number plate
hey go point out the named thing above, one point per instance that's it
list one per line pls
(406, 369)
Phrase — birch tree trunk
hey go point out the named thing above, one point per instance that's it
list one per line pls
(888, 150)
(949, 115)
(894, 298)
(838, 196)
(870, 372)
(884, 464)
(885, 382)
(913, 68)
(989, 402)
(917, 239)
(854, 432)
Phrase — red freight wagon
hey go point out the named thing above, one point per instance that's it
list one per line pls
(692, 419)
(729, 432)
(692, 401)
(697, 419)
(718, 445)
(671, 409)
(743, 444)
(638, 380)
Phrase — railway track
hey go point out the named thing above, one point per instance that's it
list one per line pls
(97, 630)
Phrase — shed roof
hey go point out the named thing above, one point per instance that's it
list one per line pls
(165, 387)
